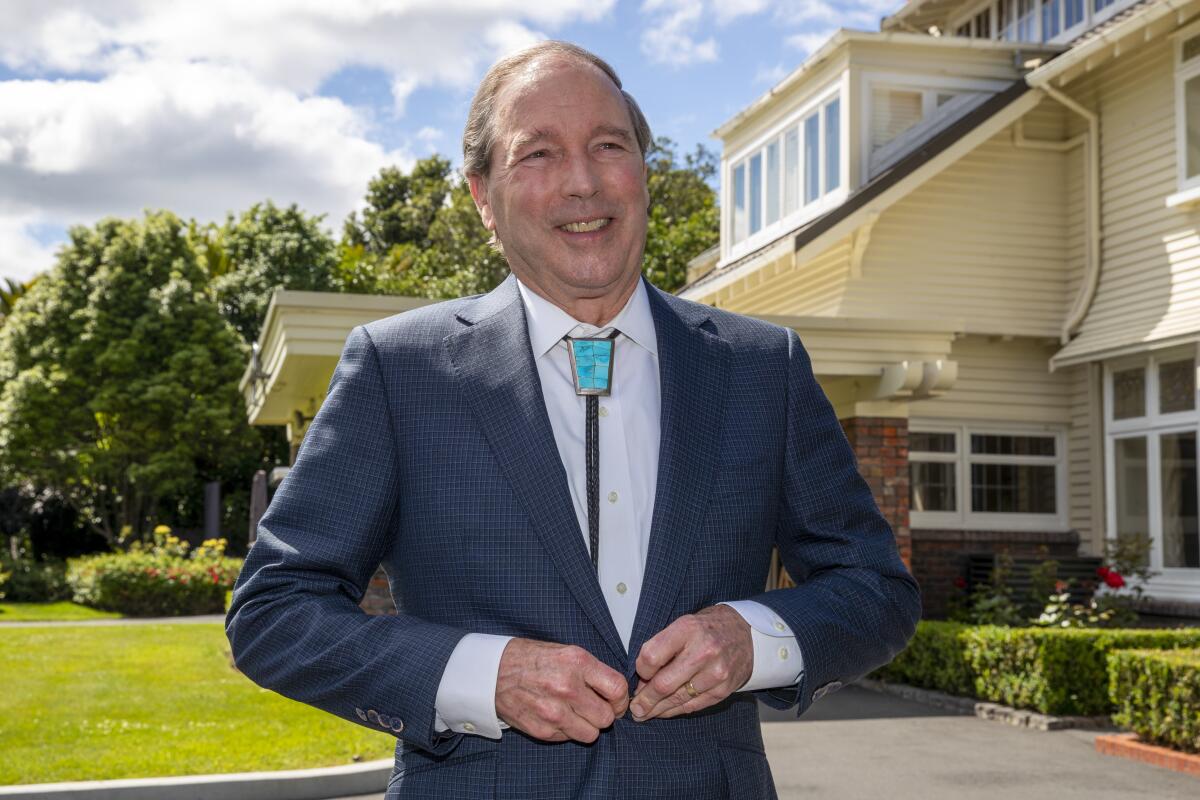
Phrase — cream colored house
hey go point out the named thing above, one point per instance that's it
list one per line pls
(984, 222)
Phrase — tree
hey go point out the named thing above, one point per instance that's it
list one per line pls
(684, 218)
(400, 208)
(120, 377)
(263, 249)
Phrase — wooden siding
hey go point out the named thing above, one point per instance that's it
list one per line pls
(1001, 381)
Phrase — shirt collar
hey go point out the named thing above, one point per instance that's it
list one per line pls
(548, 323)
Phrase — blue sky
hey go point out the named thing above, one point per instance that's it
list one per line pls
(108, 107)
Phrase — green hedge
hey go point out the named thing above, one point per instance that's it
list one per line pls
(1054, 671)
(161, 580)
(1157, 695)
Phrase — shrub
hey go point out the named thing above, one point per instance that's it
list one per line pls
(1157, 695)
(163, 579)
(25, 579)
(1054, 671)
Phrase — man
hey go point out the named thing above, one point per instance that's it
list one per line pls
(578, 567)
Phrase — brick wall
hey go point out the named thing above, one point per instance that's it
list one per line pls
(881, 447)
(378, 599)
(939, 557)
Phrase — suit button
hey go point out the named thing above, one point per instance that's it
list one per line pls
(373, 715)
(361, 714)
(385, 720)
(397, 724)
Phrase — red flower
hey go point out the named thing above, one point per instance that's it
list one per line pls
(1114, 579)
(1103, 571)
(960, 582)
(1060, 586)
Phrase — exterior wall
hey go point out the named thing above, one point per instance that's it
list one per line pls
(1150, 270)
(1085, 454)
(881, 447)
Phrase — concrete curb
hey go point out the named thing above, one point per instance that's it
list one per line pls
(369, 777)
(1127, 745)
(1020, 718)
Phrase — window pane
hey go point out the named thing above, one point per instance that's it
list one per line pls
(1074, 13)
(944, 97)
(931, 486)
(1176, 386)
(1130, 480)
(1006, 17)
(919, 442)
(990, 444)
(832, 142)
(1191, 110)
(755, 193)
(812, 158)
(1012, 489)
(1100, 5)
(894, 113)
(1050, 19)
(791, 170)
(982, 24)
(1181, 538)
(1191, 49)
(739, 202)
(1129, 393)
(1026, 11)
(772, 182)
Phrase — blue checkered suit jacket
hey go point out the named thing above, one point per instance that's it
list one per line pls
(433, 455)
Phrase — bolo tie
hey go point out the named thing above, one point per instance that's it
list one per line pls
(592, 371)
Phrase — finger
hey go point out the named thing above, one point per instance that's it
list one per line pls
(607, 682)
(593, 708)
(663, 647)
(692, 704)
(578, 728)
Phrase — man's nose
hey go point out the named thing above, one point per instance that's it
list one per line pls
(581, 179)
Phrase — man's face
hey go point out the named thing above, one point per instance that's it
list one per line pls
(566, 193)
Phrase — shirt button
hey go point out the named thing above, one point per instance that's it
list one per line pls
(468, 727)
(779, 626)
(622, 588)
(783, 653)
(604, 411)
(612, 497)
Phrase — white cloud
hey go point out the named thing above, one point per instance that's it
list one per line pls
(728, 10)
(205, 107)
(809, 42)
(771, 75)
(671, 38)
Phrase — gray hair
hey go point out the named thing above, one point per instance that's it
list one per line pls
(479, 136)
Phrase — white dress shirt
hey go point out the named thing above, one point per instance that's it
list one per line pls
(629, 441)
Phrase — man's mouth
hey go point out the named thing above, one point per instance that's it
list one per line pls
(586, 227)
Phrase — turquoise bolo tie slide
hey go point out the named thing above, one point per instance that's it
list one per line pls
(591, 365)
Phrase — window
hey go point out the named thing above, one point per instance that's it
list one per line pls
(1153, 482)
(1187, 102)
(1035, 20)
(794, 167)
(893, 111)
(966, 475)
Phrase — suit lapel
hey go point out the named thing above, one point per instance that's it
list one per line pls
(494, 364)
(694, 366)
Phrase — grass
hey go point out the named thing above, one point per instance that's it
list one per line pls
(45, 612)
(91, 703)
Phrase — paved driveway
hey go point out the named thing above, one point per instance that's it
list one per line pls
(856, 744)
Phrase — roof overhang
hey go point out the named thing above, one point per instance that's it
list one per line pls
(866, 204)
(918, 15)
(1142, 25)
(298, 348)
(1086, 348)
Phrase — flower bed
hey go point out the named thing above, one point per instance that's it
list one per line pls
(1157, 695)
(1051, 670)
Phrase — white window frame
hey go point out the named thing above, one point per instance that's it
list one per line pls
(1180, 583)
(1090, 19)
(1183, 73)
(965, 519)
(815, 102)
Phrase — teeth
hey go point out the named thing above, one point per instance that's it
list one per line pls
(585, 227)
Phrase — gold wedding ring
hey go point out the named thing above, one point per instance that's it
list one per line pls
(691, 690)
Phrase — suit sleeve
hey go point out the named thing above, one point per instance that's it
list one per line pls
(855, 605)
(295, 625)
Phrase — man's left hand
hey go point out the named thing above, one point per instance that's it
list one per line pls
(711, 648)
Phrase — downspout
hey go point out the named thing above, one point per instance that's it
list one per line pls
(1091, 273)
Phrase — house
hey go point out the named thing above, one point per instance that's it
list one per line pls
(984, 222)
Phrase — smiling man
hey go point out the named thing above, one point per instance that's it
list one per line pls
(574, 483)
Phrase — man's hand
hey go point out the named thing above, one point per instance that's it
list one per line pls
(557, 692)
(712, 648)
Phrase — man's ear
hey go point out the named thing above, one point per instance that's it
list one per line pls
(478, 185)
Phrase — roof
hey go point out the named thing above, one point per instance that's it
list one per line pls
(924, 153)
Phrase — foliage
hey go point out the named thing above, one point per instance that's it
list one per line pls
(10, 293)
(119, 378)
(26, 579)
(263, 249)
(400, 209)
(684, 217)
(1060, 612)
(1051, 670)
(993, 603)
(142, 701)
(162, 579)
(1157, 695)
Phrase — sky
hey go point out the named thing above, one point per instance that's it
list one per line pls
(205, 107)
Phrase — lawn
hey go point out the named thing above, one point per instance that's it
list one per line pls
(41, 612)
(100, 702)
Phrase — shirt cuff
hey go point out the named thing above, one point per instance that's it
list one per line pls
(466, 696)
(778, 661)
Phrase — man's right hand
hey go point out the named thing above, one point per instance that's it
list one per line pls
(558, 692)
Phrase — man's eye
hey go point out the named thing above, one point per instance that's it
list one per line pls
(611, 146)
(536, 154)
